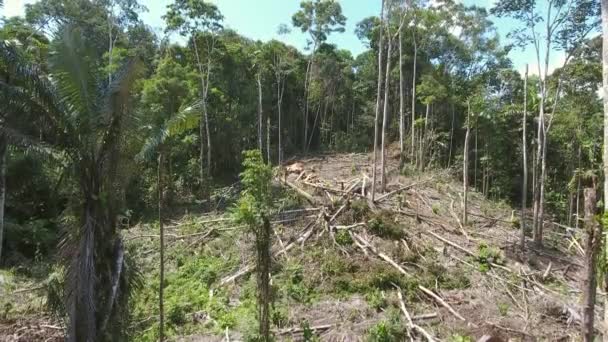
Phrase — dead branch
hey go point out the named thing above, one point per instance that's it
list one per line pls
(299, 330)
(407, 187)
(409, 319)
(442, 302)
(381, 255)
(453, 244)
(301, 192)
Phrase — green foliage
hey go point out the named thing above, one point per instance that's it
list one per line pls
(503, 308)
(460, 338)
(256, 200)
(388, 330)
(488, 255)
(383, 225)
(343, 238)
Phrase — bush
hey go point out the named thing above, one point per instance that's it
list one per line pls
(389, 329)
(487, 256)
(383, 225)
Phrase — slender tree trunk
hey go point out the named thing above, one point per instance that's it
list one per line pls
(401, 100)
(524, 191)
(465, 168)
(260, 125)
(476, 154)
(605, 99)
(541, 203)
(204, 124)
(280, 90)
(593, 244)
(378, 99)
(161, 310)
(424, 135)
(414, 99)
(307, 81)
(451, 136)
(385, 115)
(3, 152)
(264, 260)
(268, 140)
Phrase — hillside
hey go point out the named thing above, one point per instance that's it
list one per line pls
(338, 261)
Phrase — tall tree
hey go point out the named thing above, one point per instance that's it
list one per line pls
(524, 148)
(318, 18)
(201, 21)
(593, 245)
(605, 100)
(566, 24)
(84, 118)
(378, 101)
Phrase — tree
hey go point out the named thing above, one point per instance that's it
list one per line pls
(254, 209)
(605, 100)
(465, 167)
(318, 18)
(85, 117)
(593, 245)
(524, 190)
(378, 99)
(567, 24)
(201, 21)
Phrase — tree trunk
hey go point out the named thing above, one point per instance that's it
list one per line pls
(414, 100)
(424, 135)
(605, 99)
(524, 191)
(264, 260)
(204, 124)
(385, 114)
(465, 169)
(260, 125)
(451, 136)
(378, 99)
(268, 140)
(593, 244)
(161, 310)
(401, 100)
(280, 91)
(3, 152)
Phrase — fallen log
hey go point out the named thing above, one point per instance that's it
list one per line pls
(441, 302)
(409, 319)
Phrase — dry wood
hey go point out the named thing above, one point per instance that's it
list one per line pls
(381, 255)
(407, 187)
(453, 244)
(409, 319)
(442, 302)
(299, 330)
(301, 192)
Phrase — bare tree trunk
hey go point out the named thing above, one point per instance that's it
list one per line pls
(465, 169)
(414, 99)
(280, 91)
(524, 191)
(3, 152)
(378, 99)
(423, 137)
(264, 259)
(204, 124)
(161, 310)
(476, 154)
(451, 136)
(385, 115)
(593, 244)
(260, 125)
(268, 140)
(605, 99)
(401, 99)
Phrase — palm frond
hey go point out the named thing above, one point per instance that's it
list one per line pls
(30, 144)
(113, 104)
(74, 75)
(186, 119)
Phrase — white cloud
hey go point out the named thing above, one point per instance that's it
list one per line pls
(14, 8)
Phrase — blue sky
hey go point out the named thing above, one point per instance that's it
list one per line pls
(260, 19)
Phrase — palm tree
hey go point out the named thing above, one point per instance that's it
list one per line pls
(83, 118)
